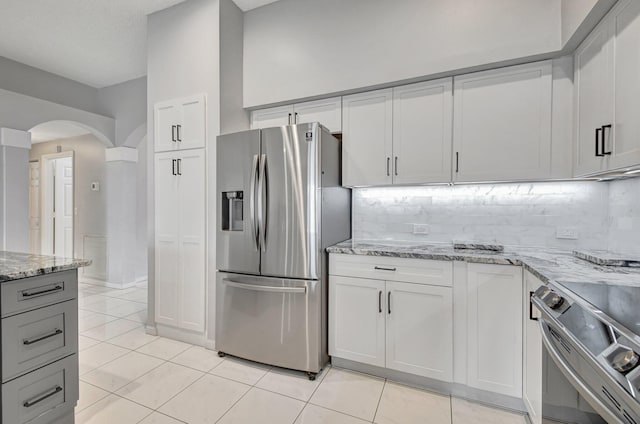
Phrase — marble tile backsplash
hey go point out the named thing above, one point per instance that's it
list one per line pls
(624, 216)
(510, 214)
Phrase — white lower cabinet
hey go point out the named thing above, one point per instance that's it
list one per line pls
(356, 320)
(403, 326)
(419, 330)
(494, 328)
(532, 370)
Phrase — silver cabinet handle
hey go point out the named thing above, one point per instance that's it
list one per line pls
(54, 333)
(57, 288)
(29, 403)
(383, 268)
(263, 202)
(252, 203)
(178, 135)
(173, 133)
(380, 301)
(289, 121)
(388, 162)
(389, 302)
(173, 166)
(179, 167)
(272, 289)
(295, 116)
(395, 166)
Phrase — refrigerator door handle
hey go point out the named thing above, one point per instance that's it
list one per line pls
(263, 202)
(273, 289)
(252, 203)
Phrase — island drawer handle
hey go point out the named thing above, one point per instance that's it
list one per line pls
(41, 397)
(54, 333)
(382, 268)
(37, 293)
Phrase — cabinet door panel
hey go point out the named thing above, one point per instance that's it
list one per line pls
(420, 330)
(326, 111)
(502, 124)
(625, 30)
(167, 116)
(192, 131)
(494, 325)
(422, 119)
(272, 117)
(367, 138)
(357, 320)
(191, 184)
(532, 370)
(591, 97)
(167, 239)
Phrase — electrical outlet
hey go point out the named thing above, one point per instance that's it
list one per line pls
(420, 229)
(568, 233)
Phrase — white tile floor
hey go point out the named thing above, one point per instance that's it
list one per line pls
(127, 377)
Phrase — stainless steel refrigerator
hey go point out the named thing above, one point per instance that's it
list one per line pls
(280, 204)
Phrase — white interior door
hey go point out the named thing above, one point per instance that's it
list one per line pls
(63, 207)
(56, 217)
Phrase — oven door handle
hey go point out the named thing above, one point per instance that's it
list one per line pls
(272, 289)
(576, 381)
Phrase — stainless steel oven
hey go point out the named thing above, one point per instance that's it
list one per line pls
(590, 360)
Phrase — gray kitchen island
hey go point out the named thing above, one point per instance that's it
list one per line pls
(39, 334)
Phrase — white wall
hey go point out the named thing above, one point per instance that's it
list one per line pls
(573, 13)
(89, 167)
(141, 211)
(509, 214)
(296, 49)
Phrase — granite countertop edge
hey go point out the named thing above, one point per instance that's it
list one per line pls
(16, 266)
(547, 264)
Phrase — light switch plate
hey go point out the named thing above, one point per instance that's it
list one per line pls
(420, 229)
(568, 233)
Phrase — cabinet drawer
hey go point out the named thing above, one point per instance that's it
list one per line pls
(421, 271)
(42, 395)
(31, 293)
(32, 339)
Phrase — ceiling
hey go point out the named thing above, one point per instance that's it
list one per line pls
(96, 42)
(55, 130)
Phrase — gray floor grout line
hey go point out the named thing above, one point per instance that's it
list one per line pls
(379, 400)
(177, 394)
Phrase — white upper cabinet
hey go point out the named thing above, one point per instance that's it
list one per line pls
(607, 65)
(271, 117)
(367, 134)
(591, 100)
(502, 124)
(624, 141)
(494, 328)
(180, 124)
(326, 111)
(422, 116)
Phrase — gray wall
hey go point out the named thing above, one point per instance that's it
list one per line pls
(34, 82)
(89, 167)
(127, 103)
(141, 211)
(296, 49)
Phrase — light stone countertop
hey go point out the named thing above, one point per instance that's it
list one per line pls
(546, 264)
(14, 266)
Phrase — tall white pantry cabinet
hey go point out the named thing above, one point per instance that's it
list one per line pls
(180, 184)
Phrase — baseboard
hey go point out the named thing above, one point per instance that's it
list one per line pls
(454, 389)
(141, 280)
(104, 283)
(182, 335)
(151, 329)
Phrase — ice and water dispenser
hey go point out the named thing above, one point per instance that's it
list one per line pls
(232, 203)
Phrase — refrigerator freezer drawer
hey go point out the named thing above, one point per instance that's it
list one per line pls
(270, 320)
